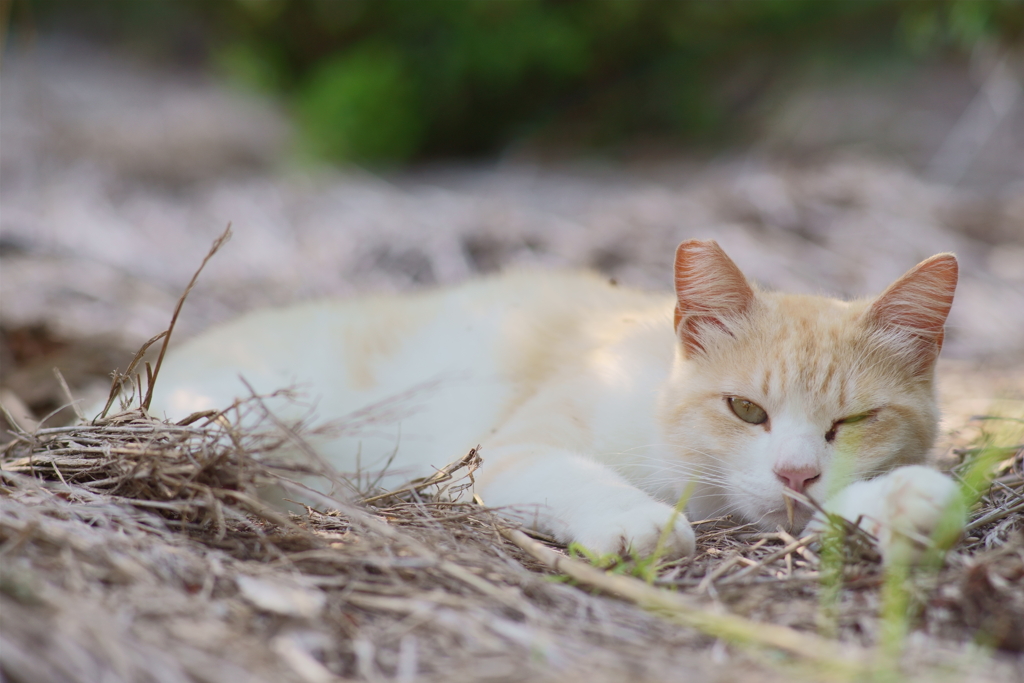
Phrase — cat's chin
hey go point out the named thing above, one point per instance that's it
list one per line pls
(773, 518)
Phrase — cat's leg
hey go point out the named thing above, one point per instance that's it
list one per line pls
(576, 499)
(902, 509)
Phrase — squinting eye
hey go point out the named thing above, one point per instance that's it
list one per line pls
(748, 411)
(830, 435)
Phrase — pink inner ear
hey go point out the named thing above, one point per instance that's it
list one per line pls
(918, 303)
(710, 289)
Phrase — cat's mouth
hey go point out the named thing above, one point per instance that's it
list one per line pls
(791, 515)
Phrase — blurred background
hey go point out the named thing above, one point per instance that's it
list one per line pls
(367, 145)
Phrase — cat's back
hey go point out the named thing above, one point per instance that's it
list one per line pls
(514, 328)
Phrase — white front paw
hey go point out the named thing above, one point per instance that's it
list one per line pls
(637, 530)
(902, 509)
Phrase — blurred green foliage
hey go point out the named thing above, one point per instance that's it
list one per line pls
(393, 80)
(361, 104)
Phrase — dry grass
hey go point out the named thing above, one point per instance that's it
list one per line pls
(133, 549)
(137, 550)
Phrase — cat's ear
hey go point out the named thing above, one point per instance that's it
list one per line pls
(913, 310)
(711, 291)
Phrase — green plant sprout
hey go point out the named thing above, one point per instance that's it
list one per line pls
(905, 578)
(834, 540)
(899, 608)
(645, 568)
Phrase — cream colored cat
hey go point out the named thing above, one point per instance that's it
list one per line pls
(598, 407)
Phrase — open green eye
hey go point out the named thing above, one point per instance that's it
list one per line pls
(748, 411)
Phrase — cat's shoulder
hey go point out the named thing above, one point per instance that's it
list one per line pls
(583, 291)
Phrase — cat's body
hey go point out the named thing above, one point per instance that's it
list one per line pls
(598, 407)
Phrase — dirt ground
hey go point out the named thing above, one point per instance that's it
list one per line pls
(114, 179)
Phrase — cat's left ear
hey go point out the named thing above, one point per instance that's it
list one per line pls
(915, 307)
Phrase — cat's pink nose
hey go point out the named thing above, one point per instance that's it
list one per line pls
(797, 478)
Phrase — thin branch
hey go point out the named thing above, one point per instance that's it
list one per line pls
(217, 244)
(678, 608)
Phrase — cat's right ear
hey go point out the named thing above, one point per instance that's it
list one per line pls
(710, 292)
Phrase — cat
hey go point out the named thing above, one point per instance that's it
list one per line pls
(599, 408)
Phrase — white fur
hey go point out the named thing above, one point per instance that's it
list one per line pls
(564, 381)
(900, 509)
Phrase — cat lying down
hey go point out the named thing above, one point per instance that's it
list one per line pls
(598, 408)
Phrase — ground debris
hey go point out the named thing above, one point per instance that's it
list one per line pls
(135, 549)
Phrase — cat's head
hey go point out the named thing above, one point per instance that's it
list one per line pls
(776, 390)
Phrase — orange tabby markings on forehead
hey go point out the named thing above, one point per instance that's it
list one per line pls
(597, 407)
(766, 382)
